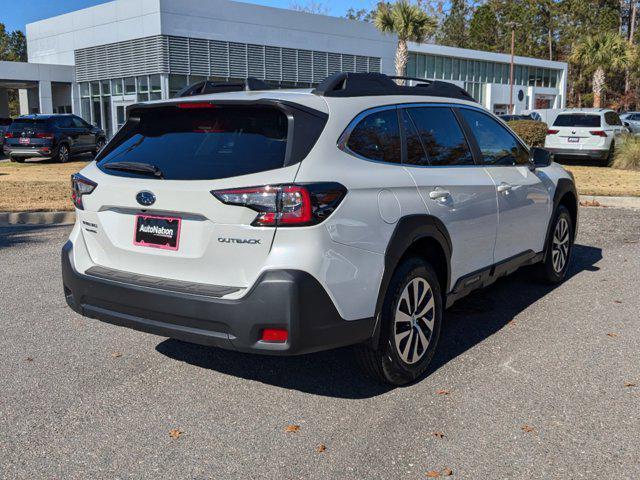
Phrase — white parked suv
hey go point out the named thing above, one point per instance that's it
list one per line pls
(291, 221)
(590, 133)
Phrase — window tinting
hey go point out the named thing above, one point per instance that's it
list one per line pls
(497, 145)
(64, 122)
(203, 144)
(577, 120)
(22, 123)
(612, 118)
(377, 137)
(415, 153)
(441, 136)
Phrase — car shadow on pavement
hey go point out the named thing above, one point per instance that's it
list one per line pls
(336, 374)
(11, 235)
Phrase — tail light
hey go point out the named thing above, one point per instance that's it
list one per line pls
(598, 133)
(286, 205)
(196, 105)
(9, 135)
(45, 135)
(552, 132)
(80, 186)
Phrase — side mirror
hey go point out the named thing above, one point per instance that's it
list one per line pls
(626, 124)
(539, 157)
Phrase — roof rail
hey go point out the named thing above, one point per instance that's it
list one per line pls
(207, 86)
(370, 84)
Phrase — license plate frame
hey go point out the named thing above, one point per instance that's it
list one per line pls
(24, 140)
(157, 239)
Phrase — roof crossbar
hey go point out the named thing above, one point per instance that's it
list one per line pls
(371, 84)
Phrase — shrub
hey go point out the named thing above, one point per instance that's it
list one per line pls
(531, 132)
(627, 155)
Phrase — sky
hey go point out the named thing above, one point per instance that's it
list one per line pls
(17, 18)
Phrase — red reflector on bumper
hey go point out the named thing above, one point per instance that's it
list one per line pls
(274, 335)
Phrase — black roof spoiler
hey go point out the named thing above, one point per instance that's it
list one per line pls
(207, 87)
(371, 84)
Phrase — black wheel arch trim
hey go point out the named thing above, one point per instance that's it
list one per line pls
(409, 230)
(565, 185)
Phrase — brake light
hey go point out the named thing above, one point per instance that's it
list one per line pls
(598, 133)
(196, 105)
(9, 135)
(45, 135)
(552, 132)
(286, 205)
(80, 186)
(275, 335)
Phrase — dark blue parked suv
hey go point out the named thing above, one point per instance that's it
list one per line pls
(55, 136)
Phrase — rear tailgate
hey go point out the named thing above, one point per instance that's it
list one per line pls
(197, 150)
(574, 130)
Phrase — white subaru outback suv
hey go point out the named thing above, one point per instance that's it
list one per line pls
(291, 221)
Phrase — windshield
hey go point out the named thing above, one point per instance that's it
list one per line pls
(577, 120)
(201, 143)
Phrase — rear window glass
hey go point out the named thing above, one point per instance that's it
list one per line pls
(21, 123)
(577, 120)
(202, 143)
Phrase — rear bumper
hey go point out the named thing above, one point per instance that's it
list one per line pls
(289, 299)
(28, 152)
(574, 153)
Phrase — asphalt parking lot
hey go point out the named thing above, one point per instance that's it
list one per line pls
(529, 382)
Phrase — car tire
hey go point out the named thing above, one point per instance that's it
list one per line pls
(559, 248)
(99, 146)
(401, 356)
(63, 154)
(17, 159)
(609, 160)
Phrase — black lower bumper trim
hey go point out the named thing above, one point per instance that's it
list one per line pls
(289, 299)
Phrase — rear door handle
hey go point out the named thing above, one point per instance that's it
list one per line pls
(504, 188)
(439, 194)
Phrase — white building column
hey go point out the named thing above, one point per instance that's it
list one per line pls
(23, 97)
(45, 96)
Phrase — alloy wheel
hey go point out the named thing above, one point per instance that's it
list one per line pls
(414, 320)
(63, 154)
(561, 244)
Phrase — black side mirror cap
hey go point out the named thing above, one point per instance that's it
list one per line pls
(540, 157)
(626, 124)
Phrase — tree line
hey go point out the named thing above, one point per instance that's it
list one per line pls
(597, 38)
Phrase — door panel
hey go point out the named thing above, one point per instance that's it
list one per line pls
(524, 207)
(453, 188)
(523, 200)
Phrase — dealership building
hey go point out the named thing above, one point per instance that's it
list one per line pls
(97, 61)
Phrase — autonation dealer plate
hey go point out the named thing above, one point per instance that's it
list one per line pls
(157, 232)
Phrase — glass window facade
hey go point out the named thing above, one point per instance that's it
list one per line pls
(477, 73)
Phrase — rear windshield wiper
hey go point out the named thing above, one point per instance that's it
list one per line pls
(136, 167)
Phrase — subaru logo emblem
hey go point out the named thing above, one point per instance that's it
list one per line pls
(145, 198)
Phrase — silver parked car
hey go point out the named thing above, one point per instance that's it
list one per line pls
(632, 121)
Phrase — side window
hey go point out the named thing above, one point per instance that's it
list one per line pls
(497, 145)
(79, 123)
(64, 122)
(441, 136)
(415, 153)
(612, 118)
(377, 137)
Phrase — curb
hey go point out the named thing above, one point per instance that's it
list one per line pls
(37, 218)
(614, 202)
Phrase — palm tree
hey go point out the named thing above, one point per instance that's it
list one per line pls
(409, 22)
(600, 54)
